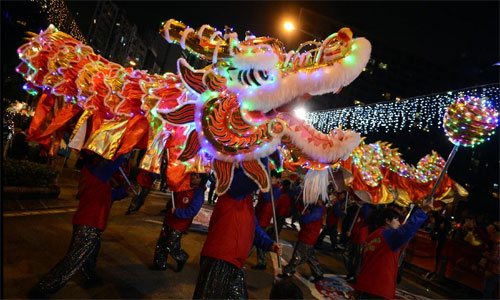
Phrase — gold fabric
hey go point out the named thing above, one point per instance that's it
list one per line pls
(83, 118)
(107, 138)
(151, 161)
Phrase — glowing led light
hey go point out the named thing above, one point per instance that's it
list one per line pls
(300, 113)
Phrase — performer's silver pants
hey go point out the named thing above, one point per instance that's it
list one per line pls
(169, 242)
(81, 255)
(219, 279)
(303, 253)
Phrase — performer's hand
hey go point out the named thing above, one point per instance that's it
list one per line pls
(277, 248)
(427, 207)
(348, 234)
(173, 210)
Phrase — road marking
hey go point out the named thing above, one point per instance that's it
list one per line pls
(38, 212)
(153, 221)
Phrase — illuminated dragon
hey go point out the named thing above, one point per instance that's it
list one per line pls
(233, 112)
(377, 174)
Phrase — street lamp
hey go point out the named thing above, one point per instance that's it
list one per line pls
(289, 26)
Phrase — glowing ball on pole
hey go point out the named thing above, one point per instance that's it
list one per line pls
(467, 122)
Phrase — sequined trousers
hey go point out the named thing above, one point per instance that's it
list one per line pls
(169, 242)
(219, 279)
(303, 253)
(81, 255)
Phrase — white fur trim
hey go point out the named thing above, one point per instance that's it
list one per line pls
(260, 60)
(315, 185)
(340, 145)
(321, 81)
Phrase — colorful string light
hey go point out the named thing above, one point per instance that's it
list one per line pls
(470, 121)
(421, 113)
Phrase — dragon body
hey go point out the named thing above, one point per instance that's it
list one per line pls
(232, 112)
(378, 175)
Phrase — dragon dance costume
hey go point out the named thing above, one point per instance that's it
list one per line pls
(264, 214)
(233, 113)
(145, 180)
(379, 266)
(89, 221)
(187, 205)
(232, 231)
(310, 225)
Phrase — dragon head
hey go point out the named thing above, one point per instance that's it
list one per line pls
(247, 92)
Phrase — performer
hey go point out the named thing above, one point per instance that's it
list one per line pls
(145, 180)
(89, 221)
(283, 204)
(379, 266)
(333, 219)
(310, 225)
(233, 229)
(177, 220)
(357, 238)
(264, 214)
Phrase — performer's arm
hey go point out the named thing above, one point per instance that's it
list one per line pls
(261, 239)
(192, 210)
(396, 238)
(105, 170)
(276, 194)
(315, 214)
(337, 211)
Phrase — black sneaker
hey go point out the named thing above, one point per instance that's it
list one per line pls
(180, 265)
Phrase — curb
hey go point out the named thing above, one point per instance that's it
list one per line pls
(29, 192)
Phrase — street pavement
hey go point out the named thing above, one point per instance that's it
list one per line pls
(36, 238)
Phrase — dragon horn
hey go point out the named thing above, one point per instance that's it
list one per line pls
(206, 42)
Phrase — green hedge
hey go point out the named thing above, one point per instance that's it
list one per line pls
(26, 173)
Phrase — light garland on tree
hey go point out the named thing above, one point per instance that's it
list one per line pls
(58, 14)
(421, 112)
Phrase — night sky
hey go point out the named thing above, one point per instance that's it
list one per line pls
(445, 33)
(440, 32)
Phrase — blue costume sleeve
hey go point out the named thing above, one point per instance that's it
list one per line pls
(192, 210)
(315, 214)
(276, 194)
(242, 185)
(261, 239)
(396, 238)
(106, 169)
(336, 209)
(155, 176)
(365, 210)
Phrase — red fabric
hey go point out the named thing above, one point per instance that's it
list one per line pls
(331, 219)
(62, 117)
(283, 204)
(309, 232)
(136, 135)
(95, 201)
(144, 179)
(359, 232)
(263, 212)
(232, 230)
(45, 104)
(182, 200)
(379, 267)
